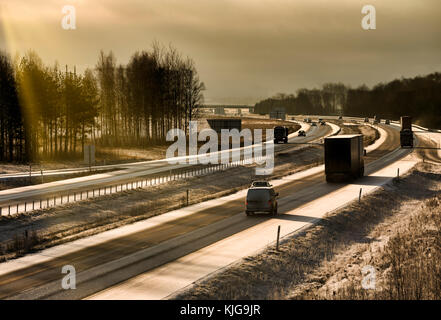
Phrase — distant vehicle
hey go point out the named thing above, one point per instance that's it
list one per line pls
(261, 199)
(344, 157)
(366, 119)
(323, 123)
(305, 120)
(387, 121)
(256, 184)
(320, 120)
(314, 124)
(302, 133)
(280, 134)
(406, 134)
(340, 118)
(375, 121)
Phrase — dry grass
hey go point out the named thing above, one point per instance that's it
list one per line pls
(369, 134)
(250, 123)
(414, 256)
(325, 261)
(20, 244)
(410, 267)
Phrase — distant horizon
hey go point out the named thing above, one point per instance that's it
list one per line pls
(249, 101)
(244, 51)
(224, 100)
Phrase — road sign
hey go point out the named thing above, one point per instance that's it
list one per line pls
(219, 124)
(278, 114)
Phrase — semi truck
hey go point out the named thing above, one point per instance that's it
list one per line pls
(344, 158)
(406, 134)
(280, 134)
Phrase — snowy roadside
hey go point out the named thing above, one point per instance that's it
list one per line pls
(326, 261)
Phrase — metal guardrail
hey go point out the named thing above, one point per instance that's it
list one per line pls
(70, 197)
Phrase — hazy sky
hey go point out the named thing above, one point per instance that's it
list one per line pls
(244, 50)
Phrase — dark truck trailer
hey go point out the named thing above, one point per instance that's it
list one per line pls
(406, 138)
(406, 123)
(406, 134)
(280, 134)
(344, 158)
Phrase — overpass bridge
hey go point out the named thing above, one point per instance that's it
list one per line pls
(220, 108)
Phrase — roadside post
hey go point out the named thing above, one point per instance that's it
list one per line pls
(89, 155)
(278, 237)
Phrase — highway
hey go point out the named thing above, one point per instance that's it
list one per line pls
(313, 133)
(153, 259)
(301, 208)
(92, 256)
(132, 171)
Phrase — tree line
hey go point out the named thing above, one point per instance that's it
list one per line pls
(419, 97)
(50, 112)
